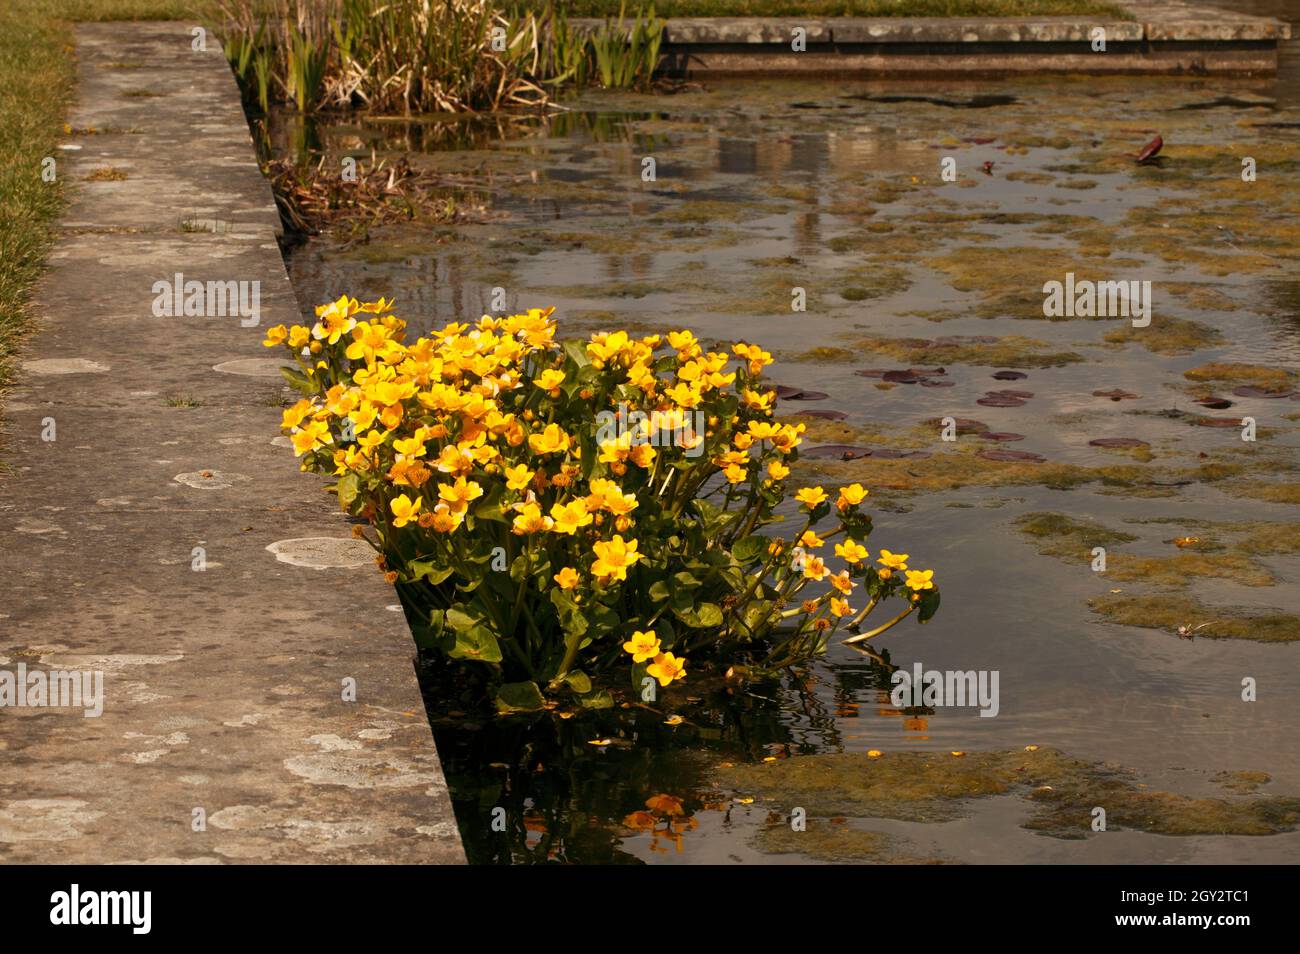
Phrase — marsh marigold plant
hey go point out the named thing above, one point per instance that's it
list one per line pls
(557, 510)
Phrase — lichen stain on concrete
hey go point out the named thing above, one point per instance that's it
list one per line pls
(329, 742)
(361, 770)
(64, 366)
(43, 819)
(318, 835)
(108, 663)
(323, 553)
(210, 479)
(253, 367)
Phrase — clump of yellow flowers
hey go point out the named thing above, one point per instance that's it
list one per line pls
(558, 509)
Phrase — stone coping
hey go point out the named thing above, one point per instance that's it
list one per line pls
(1154, 21)
(259, 702)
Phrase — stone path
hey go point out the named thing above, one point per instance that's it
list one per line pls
(223, 706)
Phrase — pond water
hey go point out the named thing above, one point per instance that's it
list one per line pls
(835, 187)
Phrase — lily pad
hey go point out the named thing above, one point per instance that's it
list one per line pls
(1117, 442)
(838, 451)
(1001, 436)
(1009, 375)
(1115, 394)
(1250, 390)
(825, 415)
(1219, 421)
(996, 401)
(1011, 455)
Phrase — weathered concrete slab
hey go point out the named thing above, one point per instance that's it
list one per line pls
(223, 687)
(1164, 36)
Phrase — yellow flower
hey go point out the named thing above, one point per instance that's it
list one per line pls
(892, 561)
(642, 646)
(550, 381)
(840, 608)
(851, 551)
(276, 336)
(666, 668)
(811, 540)
(530, 520)
(550, 441)
(293, 416)
(405, 510)
(842, 583)
(518, 477)
(777, 470)
(613, 558)
(567, 578)
(810, 497)
(571, 516)
(736, 474)
(850, 496)
(445, 520)
(920, 579)
(460, 495)
(299, 335)
(814, 568)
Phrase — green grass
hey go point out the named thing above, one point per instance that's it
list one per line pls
(851, 8)
(37, 73)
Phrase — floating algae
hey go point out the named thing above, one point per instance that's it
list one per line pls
(937, 787)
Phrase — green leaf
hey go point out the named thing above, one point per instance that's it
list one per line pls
(751, 549)
(519, 697)
(597, 700)
(928, 606)
(578, 681)
(298, 380)
(704, 616)
(576, 351)
(477, 644)
(427, 570)
(347, 488)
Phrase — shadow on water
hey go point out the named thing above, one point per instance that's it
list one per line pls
(621, 785)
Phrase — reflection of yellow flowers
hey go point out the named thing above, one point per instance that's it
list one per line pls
(810, 497)
(667, 668)
(613, 558)
(851, 552)
(405, 509)
(642, 646)
(920, 579)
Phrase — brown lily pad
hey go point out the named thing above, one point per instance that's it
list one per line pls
(1002, 436)
(1011, 455)
(1117, 442)
(893, 453)
(901, 377)
(1215, 403)
(996, 401)
(825, 415)
(1023, 395)
(1115, 394)
(1250, 390)
(1009, 375)
(1219, 421)
(931, 383)
(837, 452)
